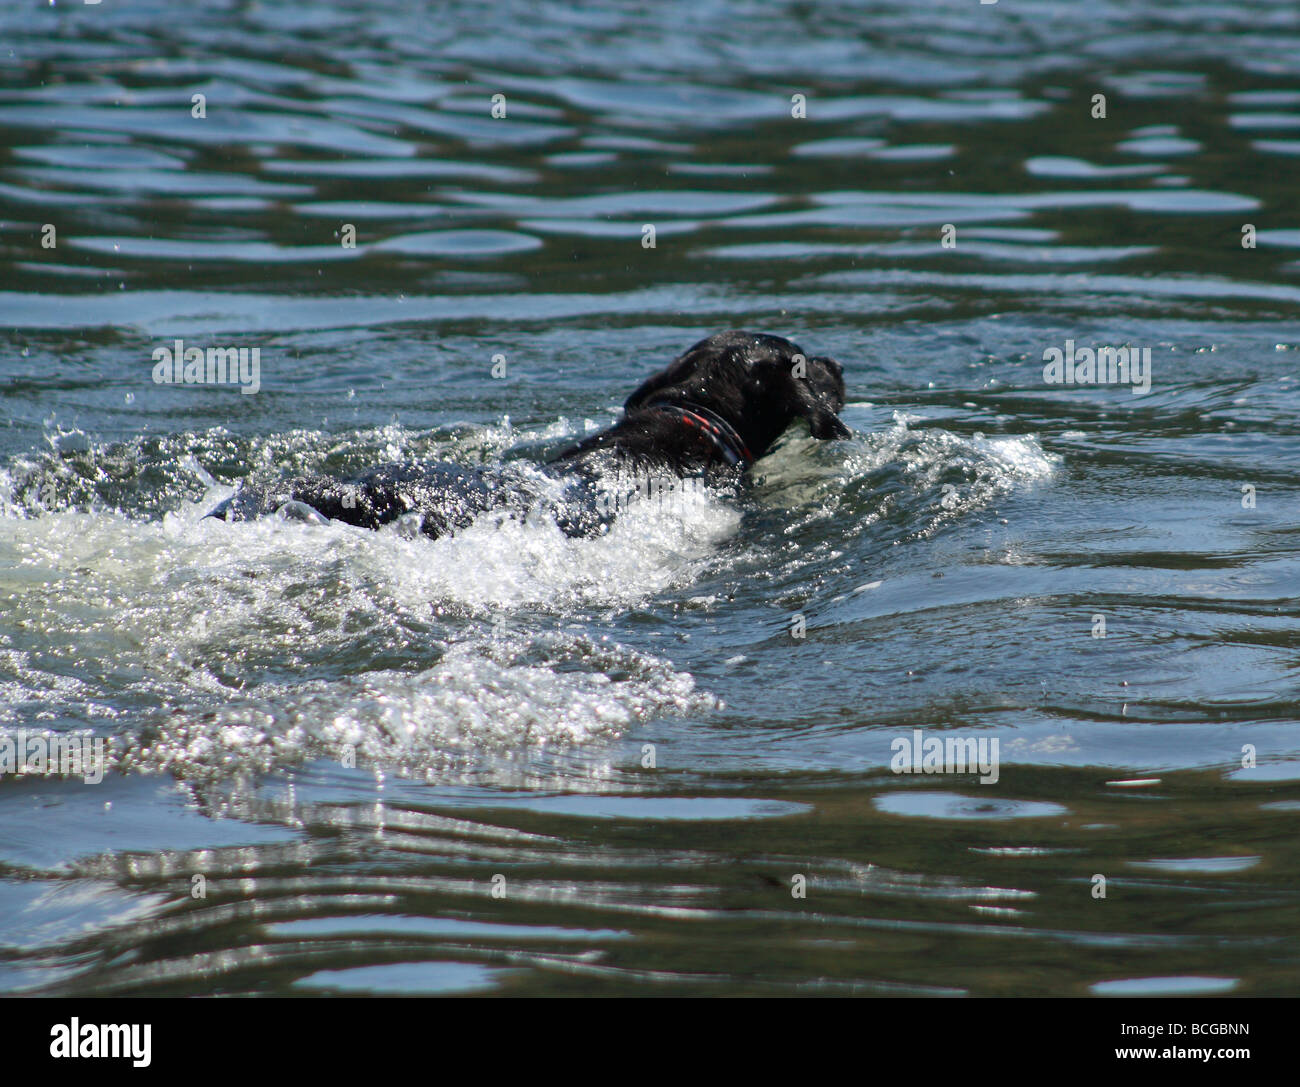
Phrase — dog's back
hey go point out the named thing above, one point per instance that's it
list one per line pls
(710, 414)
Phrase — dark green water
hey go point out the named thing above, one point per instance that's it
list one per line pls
(500, 688)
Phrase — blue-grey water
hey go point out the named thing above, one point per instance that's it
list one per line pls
(510, 762)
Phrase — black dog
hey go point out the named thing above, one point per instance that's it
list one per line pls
(709, 415)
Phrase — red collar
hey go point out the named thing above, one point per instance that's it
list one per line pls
(721, 433)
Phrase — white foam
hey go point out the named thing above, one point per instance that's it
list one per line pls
(195, 613)
(258, 644)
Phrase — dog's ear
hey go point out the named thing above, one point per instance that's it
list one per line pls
(822, 421)
(826, 426)
(818, 397)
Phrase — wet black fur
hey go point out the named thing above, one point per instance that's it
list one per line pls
(756, 383)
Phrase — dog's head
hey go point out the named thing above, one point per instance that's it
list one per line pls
(758, 383)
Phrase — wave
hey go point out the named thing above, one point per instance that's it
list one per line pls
(206, 648)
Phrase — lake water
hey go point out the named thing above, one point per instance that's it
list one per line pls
(954, 565)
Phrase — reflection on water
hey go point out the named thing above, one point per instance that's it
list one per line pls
(511, 762)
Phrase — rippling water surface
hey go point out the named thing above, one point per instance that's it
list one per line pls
(500, 829)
